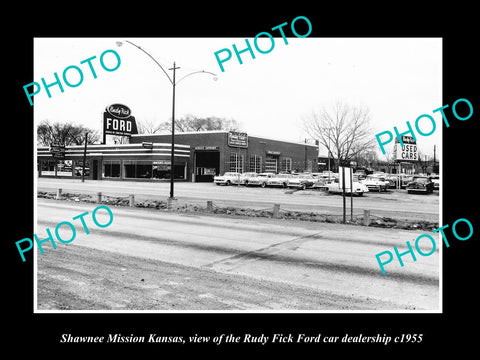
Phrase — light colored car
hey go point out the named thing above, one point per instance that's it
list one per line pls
(375, 183)
(392, 180)
(358, 188)
(436, 182)
(261, 179)
(228, 178)
(279, 180)
(245, 177)
(301, 181)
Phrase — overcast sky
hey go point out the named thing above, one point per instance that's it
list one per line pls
(398, 79)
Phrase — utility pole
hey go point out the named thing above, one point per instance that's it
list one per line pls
(172, 154)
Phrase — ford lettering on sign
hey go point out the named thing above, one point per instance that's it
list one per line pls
(118, 120)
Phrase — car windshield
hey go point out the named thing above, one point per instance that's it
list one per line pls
(229, 174)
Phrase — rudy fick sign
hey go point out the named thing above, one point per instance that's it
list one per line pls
(118, 120)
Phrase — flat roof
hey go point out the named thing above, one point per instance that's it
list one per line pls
(223, 132)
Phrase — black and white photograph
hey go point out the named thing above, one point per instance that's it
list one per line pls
(280, 198)
(265, 186)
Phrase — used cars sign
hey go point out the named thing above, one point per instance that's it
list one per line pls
(407, 152)
(117, 120)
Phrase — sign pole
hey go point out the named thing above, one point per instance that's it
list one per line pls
(351, 194)
(84, 157)
(343, 192)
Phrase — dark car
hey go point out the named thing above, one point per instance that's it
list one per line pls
(420, 184)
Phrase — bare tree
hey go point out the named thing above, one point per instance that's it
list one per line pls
(64, 133)
(389, 156)
(151, 126)
(194, 123)
(343, 130)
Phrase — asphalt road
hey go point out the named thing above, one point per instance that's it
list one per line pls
(157, 260)
(396, 204)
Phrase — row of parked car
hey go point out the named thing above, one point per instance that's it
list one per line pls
(329, 181)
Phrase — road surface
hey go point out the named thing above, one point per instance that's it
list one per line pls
(158, 260)
(395, 204)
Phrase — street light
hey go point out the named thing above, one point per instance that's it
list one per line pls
(174, 83)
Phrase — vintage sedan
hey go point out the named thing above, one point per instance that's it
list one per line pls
(261, 179)
(375, 183)
(301, 181)
(279, 180)
(245, 177)
(335, 188)
(436, 182)
(420, 184)
(228, 178)
(404, 180)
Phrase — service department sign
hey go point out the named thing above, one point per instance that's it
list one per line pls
(118, 120)
(237, 139)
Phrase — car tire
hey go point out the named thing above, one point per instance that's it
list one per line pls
(218, 184)
(228, 183)
(246, 183)
(303, 187)
(285, 185)
(263, 185)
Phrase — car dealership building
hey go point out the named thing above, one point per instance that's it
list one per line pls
(198, 157)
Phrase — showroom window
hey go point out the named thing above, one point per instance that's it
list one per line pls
(256, 163)
(111, 168)
(236, 162)
(286, 164)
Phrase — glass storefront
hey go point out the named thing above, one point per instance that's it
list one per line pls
(147, 169)
(56, 167)
(78, 167)
(111, 169)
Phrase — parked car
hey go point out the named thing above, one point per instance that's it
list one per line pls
(245, 177)
(404, 180)
(228, 178)
(436, 182)
(279, 180)
(301, 181)
(261, 179)
(420, 184)
(320, 183)
(335, 187)
(375, 183)
(392, 181)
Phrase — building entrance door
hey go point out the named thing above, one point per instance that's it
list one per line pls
(95, 170)
(207, 165)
